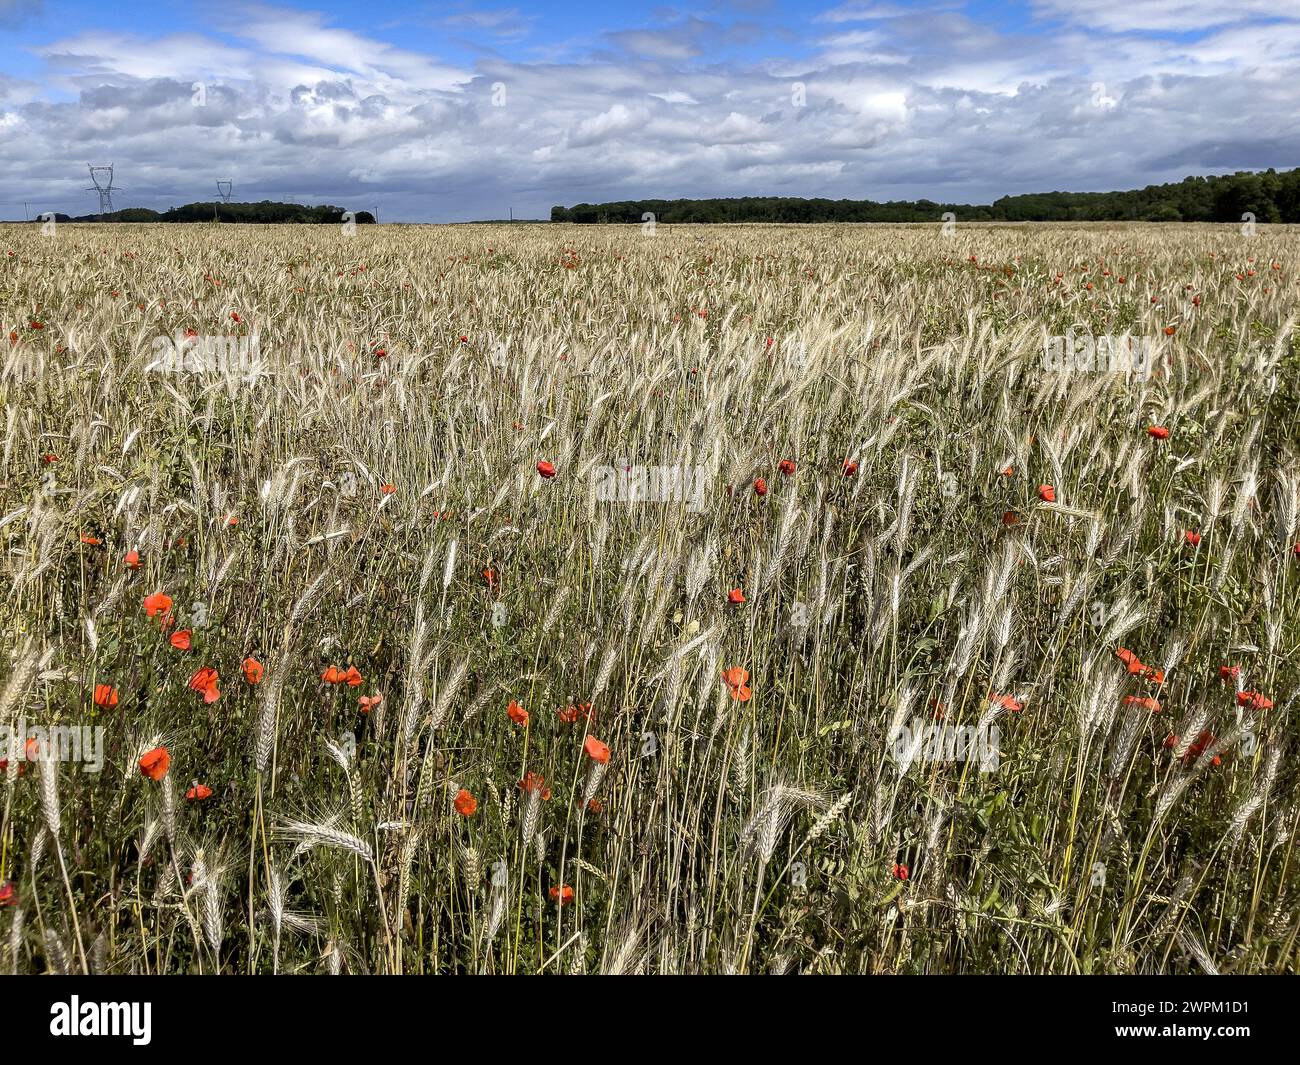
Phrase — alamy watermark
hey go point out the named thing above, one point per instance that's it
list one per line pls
(1099, 354)
(625, 483)
(57, 743)
(192, 353)
(938, 741)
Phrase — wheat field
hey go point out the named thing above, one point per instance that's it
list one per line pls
(555, 599)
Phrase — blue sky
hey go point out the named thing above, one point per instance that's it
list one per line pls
(447, 112)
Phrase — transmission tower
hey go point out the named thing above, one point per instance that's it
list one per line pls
(104, 186)
(223, 190)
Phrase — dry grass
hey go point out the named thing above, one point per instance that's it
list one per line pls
(731, 836)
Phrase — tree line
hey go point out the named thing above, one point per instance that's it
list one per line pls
(1268, 196)
(263, 212)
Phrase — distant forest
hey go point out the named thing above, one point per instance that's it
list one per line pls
(265, 211)
(1269, 195)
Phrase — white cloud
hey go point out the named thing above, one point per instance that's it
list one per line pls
(941, 106)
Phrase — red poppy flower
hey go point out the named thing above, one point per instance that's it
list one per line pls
(490, 575)
(8, 896)
(1193, 538)
(1229, 672)
(253, 670)
(535, 782)
(1254, 700)
(596, 750)
(567, 714)
(1008, 471)
(1007, 702)
(198, 793)
(735, 596)
(47, 458)
(594, 806)
(353, 677)
(369, 702)
(388, 489)
(562, 894)
(546, 469)
(1146, 704)
(1203, 743)
(205, 680)
(155, 763)
(1047, 493)
(158, 603)
(333, 675)
(132, 560)
(1158, 431)
(786, 466)
(517, 713)
(850, 468)
(465, 803)
(180, 639)
(760, 486)
(105, 695)
(1010, 517)
(90, 541)
(735, 678)
(900, 871)
(1170, 330)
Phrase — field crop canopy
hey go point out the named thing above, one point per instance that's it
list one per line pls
(649, 598)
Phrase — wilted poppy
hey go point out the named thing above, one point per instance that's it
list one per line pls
(369, 702)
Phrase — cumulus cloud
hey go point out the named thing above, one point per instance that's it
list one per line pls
(854, 101)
